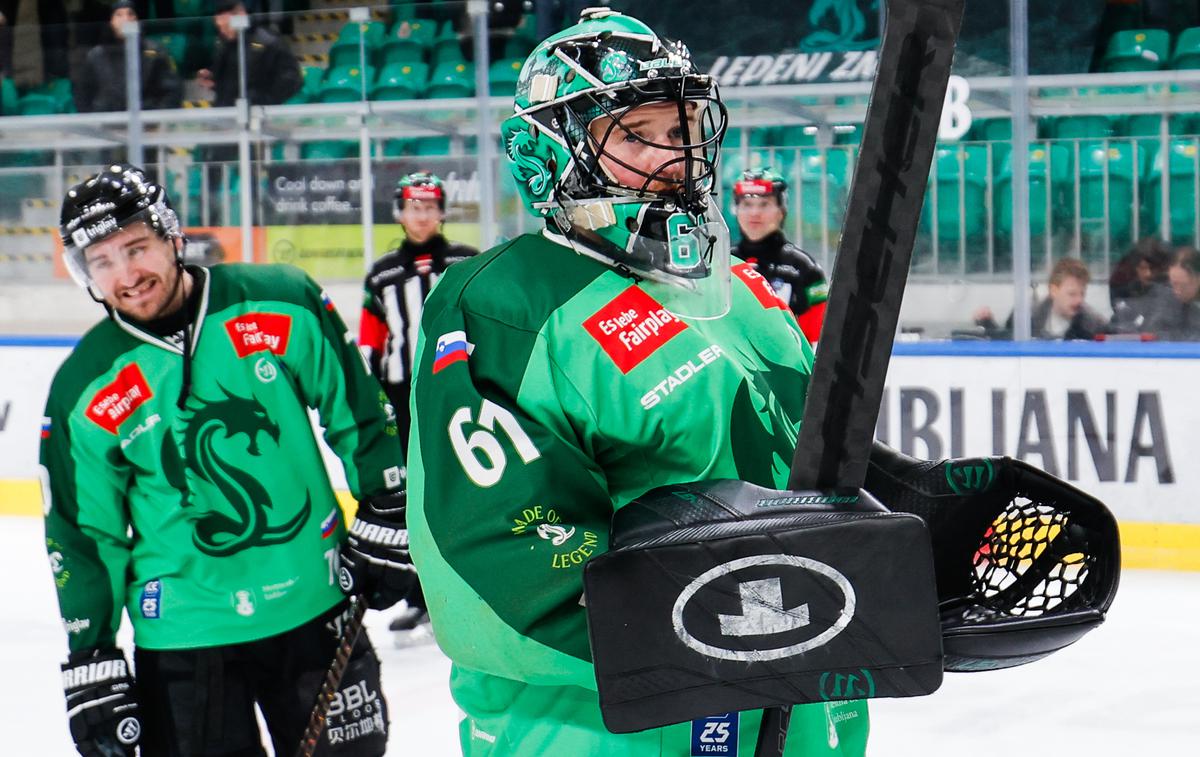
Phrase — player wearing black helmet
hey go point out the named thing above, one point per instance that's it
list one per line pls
(760, 204)
(184, 487)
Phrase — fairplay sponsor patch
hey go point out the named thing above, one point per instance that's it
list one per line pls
(113, 404)
(632, 327)
(258, 332)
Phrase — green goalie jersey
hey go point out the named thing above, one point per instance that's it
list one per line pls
(550, 391)
(215, 523)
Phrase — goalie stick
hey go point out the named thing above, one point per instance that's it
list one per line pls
(333, 677)
(899, 136)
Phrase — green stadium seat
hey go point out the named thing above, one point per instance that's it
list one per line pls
(192, 8)
(446, 47)
(503, 76)
(345, 50)
(958, 169)
(176, 46)
(407, 41)
(60, 90)
(1083, 127)
(1103, 166)
(400, 81)
(835, 166)
(333, 149)
(427, 146)
(343, 85)
(991, 129)
(398, 148)
(762, 136)
(1136, 50)
(524, 38)
(451, 79)
(9, 99)
(1187, 50)
(1183, 171)
(1042, 204)
(37, 104)
(310, 89)
(796, 135)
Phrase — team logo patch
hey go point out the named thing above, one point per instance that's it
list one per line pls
(113, 404)
(717, 734)
(452, 347)
(759, 286)
(258, 332)
(632, 327)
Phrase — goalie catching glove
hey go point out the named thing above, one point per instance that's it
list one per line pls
(1026, 564)
(102, 705)
(375, 561)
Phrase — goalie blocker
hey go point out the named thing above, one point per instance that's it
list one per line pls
(724, 595)
(720, 596)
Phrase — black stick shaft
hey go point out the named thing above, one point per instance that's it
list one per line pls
(333, 678)
(899, 137)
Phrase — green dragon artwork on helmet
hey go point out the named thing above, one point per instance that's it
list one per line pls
(529, 163)
(606, 67)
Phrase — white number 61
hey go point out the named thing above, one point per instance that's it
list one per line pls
(480, 454)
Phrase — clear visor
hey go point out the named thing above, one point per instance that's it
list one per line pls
(75, 257)
(688, 273)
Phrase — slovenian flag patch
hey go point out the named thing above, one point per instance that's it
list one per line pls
(451, 348)
(45, 427)
(329, 525)
(326, 301)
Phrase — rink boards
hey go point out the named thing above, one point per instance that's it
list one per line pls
(1118, 420)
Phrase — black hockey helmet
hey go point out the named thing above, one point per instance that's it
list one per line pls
(96, 208)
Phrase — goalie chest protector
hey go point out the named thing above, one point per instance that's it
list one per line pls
(723, 595)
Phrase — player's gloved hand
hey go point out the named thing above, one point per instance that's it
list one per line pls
(102, 705)
(375, 558)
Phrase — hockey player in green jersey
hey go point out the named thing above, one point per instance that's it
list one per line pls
(563, 374)
(184, 484)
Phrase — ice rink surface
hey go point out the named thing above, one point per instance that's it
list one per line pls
(1128, 689)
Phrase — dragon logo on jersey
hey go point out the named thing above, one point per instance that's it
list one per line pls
(765, 418)
(212, 428)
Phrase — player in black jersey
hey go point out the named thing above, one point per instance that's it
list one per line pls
(760, 203)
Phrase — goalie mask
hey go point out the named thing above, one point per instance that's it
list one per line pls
(117, 197)
(614, 140)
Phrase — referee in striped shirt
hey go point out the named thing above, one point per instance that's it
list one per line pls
(394, 294)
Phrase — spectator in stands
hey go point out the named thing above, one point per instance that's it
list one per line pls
(52, 34)
(272, 72)
(1063, 314)
(1141, 298)
(1184, 275)
(101, 83)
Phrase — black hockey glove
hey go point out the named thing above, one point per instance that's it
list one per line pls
(375, 558)
(1026, 563)
(102, 705)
